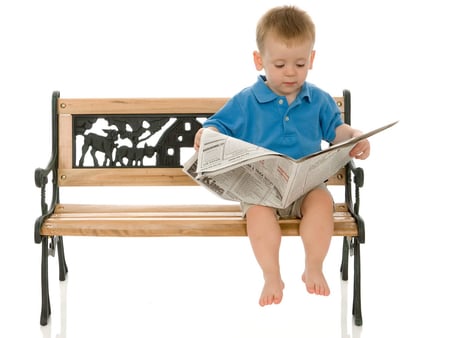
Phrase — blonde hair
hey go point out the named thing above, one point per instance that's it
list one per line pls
(288, 23)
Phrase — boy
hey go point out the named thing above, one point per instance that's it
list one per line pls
(283, 112)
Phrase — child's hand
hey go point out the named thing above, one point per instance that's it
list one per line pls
(361, 150)
(197, 138)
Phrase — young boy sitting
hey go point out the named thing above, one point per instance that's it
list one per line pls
(284, 113)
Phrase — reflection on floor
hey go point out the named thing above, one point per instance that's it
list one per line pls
(210, 289)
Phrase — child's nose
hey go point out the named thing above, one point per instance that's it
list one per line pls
(289, 70)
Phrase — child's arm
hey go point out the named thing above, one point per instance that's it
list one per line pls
(361, 150)
(198, 135)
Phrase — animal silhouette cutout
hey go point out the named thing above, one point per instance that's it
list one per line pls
(105, 144)
(134, 156)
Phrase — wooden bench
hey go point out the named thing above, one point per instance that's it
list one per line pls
(153, 133)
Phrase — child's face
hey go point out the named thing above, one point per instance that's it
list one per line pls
(285, 66)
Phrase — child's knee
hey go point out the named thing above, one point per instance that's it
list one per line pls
(318, 200)
(260, 211)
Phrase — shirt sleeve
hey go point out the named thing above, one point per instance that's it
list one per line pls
(228, 119)
(330, 119)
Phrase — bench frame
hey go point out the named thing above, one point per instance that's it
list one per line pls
(172, 220)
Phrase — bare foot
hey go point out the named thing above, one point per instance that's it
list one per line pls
(272, 292)
(315, 282)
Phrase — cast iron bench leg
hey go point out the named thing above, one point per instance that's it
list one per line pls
(357, 312)
(344, 264)
(62, 260)
(45, 305)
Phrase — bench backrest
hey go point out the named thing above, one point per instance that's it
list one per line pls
(134, 142)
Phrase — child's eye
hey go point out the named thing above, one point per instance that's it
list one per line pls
(300, 65)
(279, 65)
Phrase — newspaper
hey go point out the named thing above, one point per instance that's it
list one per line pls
(240, 171)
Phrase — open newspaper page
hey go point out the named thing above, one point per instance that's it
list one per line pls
(240, 171)
(219, 153)
(315, 170)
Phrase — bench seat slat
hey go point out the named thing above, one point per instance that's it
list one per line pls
(200, 208)
(164, 220)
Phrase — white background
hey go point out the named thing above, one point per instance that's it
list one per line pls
(392, 55)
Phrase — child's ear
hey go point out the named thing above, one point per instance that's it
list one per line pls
(311, 59)
(257, 60)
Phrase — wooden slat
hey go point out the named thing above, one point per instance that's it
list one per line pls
(124, 177)
(147, 105)
(140, 106)
(65, 141)
(62, 209)
(168, 220)
(340, 102)
(338, 178)
(141, 177)
(108, 208)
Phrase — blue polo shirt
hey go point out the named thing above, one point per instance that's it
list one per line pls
(259, 116)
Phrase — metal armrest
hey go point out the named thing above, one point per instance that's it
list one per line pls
(355, 181)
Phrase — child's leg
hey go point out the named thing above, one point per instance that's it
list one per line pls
(265, 236)
(316, 231)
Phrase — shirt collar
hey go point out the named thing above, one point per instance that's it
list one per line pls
(264, 94)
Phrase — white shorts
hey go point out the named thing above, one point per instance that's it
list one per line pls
(292, 211)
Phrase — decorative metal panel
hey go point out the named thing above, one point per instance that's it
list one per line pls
(118, 141)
